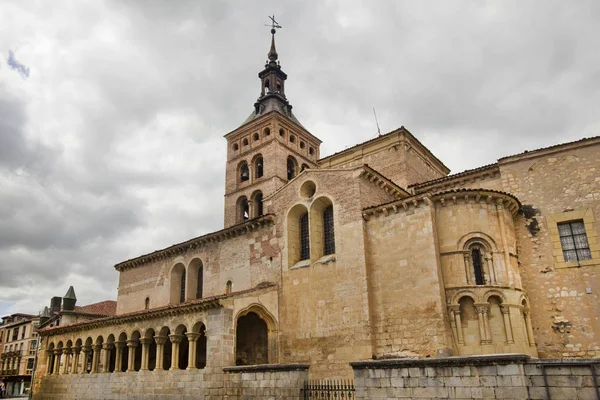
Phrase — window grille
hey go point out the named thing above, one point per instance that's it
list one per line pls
(328, 232)
(304, 238)
(182, 291)
(477, 266)
(200, 283)
(573, 240)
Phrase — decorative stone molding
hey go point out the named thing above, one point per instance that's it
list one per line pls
(198, 242)
(266, 368)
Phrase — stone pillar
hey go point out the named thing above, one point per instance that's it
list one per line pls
(489, 261)
(131, 344)
(48, 361)
(507, 325)
(509, 272)
(119, 356)
(528, 326)
(484, 324)
(145, 350)
(57, 354)
(107, 347)
(175, 340)
(86, 353)
(468, 268)
(160, 352)
(67, 352)
(75, 365)
(220, 335)
(193, 341)
(456, 323)
(96, 358)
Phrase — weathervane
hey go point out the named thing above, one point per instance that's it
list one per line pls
(274, 24)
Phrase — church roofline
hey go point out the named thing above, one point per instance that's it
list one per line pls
(169, 310)
(247, 125)
(550, 149)
(196, 242)
(464, 174)
(488, 195)
(402, 129)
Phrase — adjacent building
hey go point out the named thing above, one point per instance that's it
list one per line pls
(18, 344)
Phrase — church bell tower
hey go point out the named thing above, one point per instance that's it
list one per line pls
(270, 148)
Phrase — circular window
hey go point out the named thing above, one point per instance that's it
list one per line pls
(308, 189)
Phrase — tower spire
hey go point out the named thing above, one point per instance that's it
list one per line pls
(272, 52)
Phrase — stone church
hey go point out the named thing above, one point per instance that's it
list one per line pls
(371, 253)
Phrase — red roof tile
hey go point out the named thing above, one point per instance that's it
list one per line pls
(106, 308)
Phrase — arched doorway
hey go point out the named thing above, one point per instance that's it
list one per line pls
(252, 340)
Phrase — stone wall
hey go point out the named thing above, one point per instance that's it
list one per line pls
(511, 376)
(274, 381)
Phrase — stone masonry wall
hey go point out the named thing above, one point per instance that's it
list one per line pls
(275, 381)
(503, 377)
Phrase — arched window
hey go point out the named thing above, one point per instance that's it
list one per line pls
(182, 289)
(236, 147)
(147, 303)
(245, 142)
(252, 340)
(258, 167)
(304, 238)
(255, 137)
(199, 282)
(243, 209)
(291, 168)
(244, 172)
(267, 86)
(328, 231)
(292, 139)
(267, 131)
(228, 287)
(278, 86)
(477, 259)
(257, 204)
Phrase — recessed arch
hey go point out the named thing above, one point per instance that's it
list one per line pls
(477, 237)
(195, 283)
(267, 132)
(486, 296)
(255, 137)
(291, 168)
(257, 204)
(255, 336)
(243, 171)
(295, 234)
(200, 328)
(242, 209)
(258, 166)
(322, 231)
(464, 293)
(177, 283)
(245, 142)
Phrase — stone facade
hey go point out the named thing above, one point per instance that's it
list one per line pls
(370, 253)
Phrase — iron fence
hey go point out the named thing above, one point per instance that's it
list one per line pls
(328, 389)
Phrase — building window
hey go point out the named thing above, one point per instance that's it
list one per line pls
(243, 209)
(30, 363)
(258, 167)
(292, 139)
(328, 231)
(228, 287)
(477, 265)
(245, 142)
(291, 168)
(182, 288)
(15, 334)
(573, 241)
(267, 131)
(244, 172)
(257, 204)
(147, 303)
(304, 238)
(255, 137)
(236, 147)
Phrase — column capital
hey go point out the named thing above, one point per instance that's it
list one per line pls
(176, 338)
(160, 340)
(68, 351)
(77, 349)
(57, 352)
(192, 336)
(133, 343)
(120, 344)
(108, 346)
(145, 341)
(482, 308)
(454, 307)
(504, 308)
(97, 347)
(86, 348)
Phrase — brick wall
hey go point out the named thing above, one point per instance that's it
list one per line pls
(512, 376)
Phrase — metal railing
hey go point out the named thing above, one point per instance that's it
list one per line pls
(328, 389)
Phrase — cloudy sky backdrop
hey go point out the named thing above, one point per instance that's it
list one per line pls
(112, 112)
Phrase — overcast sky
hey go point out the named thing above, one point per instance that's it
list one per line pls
(112, 114)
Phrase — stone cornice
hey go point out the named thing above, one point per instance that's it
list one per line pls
(545, 151)
(442, 199)
(382, 182)
(493, 359)
(198, 242)
(266, 368)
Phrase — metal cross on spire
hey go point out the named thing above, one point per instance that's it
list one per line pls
(274, 24)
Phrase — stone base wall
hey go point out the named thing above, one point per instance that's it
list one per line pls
(275, 381)
(480, 377)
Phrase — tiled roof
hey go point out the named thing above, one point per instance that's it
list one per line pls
(453, 176)
(583, 140)
(105, 308)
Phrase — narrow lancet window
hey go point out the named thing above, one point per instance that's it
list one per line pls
(477, 266)
(182, 289)
(304, 238)
(244, 172)
(259, 167)
(200, 282)
(328, 231)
